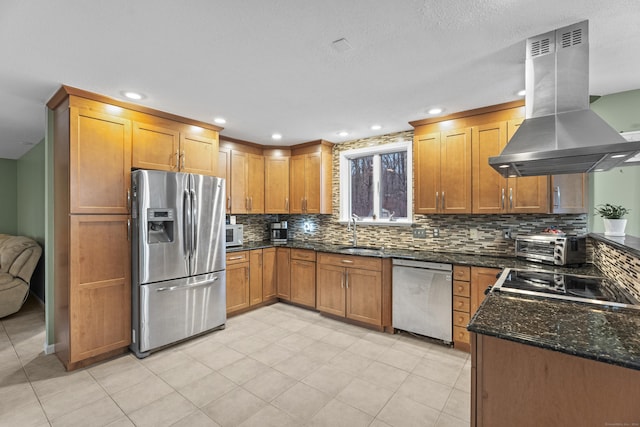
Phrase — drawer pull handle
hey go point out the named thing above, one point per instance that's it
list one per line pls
(235, 257)
(347, 261)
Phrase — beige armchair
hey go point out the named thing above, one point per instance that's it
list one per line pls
(18, 258)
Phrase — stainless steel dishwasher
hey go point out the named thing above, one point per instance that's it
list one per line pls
(422, 298)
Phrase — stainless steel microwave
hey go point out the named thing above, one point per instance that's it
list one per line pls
(234, 235)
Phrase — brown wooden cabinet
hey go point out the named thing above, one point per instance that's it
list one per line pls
(354, 287)
(303, 277)
(443, 172)
(569, 193)
(167, 146)
(514, 384)
(224, 171)
(310, 179)
(269, 274)
(276, 184)
(491, 192)
(247, 183)
(238, 281)
(256, 276)
(469, 284)
(99, 147)
(283, 267)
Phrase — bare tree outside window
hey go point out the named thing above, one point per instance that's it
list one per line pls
(393, 184)
(362, 186)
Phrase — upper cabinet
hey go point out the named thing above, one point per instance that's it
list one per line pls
(276, 184)
(247, 183)
(310, 178)
(443, 172)
(569, 193)
(99, 149)
(165, 146)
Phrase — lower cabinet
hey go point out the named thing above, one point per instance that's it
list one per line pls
(237, 281)
(469, 284)
(255, 276)
(283, 267)
(353, 287)
(269, 274)
(303, 277)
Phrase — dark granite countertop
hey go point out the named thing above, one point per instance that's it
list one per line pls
(626, 243)
(606, 334)
(431, 256)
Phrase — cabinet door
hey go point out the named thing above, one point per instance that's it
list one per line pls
(155, 147)
(297, 184)
(276, 185)
(303, 282)
(255, 183)
(224, 171)
(100, 163)
(199, 154)
(569, 193)
(364, 295)
(269, 276)
(528, 194)
(481, 278)
(283, 256)
(312, 182)
(427, 173)
(100, 285)
(455, 171)
(239, 196)
(330, 289)
(237, 287)
(255, 276)
(489, 187)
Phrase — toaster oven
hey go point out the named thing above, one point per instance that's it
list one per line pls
(552, 249)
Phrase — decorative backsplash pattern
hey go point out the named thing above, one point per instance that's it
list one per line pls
(621, 266)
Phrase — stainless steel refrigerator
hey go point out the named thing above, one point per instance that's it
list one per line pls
(178, 257)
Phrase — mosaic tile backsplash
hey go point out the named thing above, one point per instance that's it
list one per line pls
(621, 266)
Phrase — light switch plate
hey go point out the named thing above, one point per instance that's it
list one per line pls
(473, 233)
(436, 232)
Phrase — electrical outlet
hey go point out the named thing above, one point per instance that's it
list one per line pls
(506, 233)
(473, 233)
(436, 232)
(420, 233)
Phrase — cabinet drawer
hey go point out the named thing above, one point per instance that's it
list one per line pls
(461, 288)
(460, 318)
(461, 303)
(303, 254)
(363, 262)
(237, 257)
(461, 273)
(460, 334)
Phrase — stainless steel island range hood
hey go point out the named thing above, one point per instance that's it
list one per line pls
(560, 133)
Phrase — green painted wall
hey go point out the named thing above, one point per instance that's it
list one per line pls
(622, 185)
(31, 206)
(8, 196)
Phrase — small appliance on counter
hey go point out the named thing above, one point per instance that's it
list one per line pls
(234, 235)
(554, 249)
(278, 232)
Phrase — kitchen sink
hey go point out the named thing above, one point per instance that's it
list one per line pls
(362, 250)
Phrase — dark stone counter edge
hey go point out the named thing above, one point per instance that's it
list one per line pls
(523, 339)
(432, 256)
(630, 244)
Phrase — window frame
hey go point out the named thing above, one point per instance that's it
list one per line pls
(345, 182)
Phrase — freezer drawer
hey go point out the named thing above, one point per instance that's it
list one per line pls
(173, 310)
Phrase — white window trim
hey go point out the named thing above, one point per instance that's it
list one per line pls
(345, 181)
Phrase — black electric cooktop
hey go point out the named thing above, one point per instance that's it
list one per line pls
(591, 289)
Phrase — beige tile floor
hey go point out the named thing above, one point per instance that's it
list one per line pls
(276, 366)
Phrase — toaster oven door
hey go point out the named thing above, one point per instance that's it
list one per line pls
(536, 250)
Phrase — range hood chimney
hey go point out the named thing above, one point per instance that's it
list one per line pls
(560, 133)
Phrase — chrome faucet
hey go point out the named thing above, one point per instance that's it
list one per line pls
(353, 218)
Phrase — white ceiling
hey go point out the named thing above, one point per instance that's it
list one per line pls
(269, 66)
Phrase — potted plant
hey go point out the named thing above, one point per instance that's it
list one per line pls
(614, 224)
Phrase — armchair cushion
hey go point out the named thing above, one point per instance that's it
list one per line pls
(18, 259)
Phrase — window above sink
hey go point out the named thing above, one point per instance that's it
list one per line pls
(375, 184)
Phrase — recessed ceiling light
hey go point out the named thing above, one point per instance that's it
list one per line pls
(376, 127)
(435, 110)
(220, 120)
(276, 136)
(522, 92)
(343, 133)
(133, 95)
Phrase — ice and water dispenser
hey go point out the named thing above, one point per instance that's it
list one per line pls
(160, 225)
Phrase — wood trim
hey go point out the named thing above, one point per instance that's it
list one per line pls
(66, 91)
(276, 152)
(317, 146)
(469, 113)
(234, 142)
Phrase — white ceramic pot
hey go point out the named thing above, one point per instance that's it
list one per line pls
(614, 227)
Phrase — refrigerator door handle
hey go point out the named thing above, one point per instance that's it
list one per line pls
(186, 217)
(194, 224)
(193, 285)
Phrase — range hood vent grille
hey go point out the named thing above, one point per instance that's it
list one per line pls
(541, 47)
